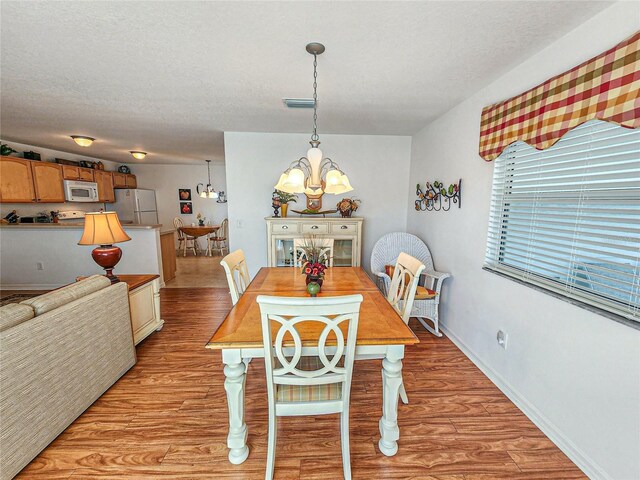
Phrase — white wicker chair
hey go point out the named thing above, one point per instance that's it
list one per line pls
(386, 252)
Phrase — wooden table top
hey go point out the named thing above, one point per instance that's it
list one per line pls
(199, 231)
(379, 323)
(134, 281)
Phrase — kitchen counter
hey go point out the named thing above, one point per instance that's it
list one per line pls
(72, 225)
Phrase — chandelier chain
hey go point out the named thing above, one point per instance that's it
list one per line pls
(315, 137)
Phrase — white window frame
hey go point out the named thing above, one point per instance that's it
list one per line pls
(567, 219)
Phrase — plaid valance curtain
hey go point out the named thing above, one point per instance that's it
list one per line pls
(606, 87)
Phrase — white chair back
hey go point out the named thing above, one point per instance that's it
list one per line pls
(224, 229)
(293, 314)
(300, 256)
(177, 223)
(235, 266)
(404, 283)
(386, 250)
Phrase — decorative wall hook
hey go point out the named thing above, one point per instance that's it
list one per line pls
(436, 197)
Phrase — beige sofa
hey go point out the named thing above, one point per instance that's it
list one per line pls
(58, 353)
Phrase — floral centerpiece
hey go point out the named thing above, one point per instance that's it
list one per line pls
(347, 206)
(315, 265)
(201, 219)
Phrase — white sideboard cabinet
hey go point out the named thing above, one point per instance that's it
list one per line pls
(346, 232)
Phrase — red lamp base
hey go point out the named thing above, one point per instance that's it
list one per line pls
(107, 256)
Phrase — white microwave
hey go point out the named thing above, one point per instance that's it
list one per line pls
(80, 191)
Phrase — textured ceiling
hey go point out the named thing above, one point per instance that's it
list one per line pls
(170, 77)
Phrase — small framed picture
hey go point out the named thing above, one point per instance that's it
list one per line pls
(186, 208)
(184, 194)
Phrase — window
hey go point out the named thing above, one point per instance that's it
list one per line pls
(567, 219)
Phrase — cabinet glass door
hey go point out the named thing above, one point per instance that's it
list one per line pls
(342, 253)
(284, 252)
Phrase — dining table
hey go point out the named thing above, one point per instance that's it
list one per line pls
(381, 335)
(199, 231)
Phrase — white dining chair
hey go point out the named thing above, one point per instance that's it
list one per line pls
(402, 291)
(309, 385)
(300, 255)
(184, 239)
(218, 240)
(235, 267)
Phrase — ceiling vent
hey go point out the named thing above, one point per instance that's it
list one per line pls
(298, 102)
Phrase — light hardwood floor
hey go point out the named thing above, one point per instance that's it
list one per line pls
(198, 272)
(166, 418)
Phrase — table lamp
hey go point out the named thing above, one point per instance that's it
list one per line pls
(104, 229)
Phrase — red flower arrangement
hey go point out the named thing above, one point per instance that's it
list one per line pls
(315, 269)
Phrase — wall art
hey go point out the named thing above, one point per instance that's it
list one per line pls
(186, 208)
(184, 194)
(436, 197)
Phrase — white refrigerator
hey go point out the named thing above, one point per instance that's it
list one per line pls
(136, 205)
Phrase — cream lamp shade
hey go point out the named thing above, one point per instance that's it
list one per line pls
(102, 228)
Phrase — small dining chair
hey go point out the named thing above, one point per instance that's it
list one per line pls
(235, 267)
(309, 385)
(218, 240)
(300, 255)
(402, 292)
(184, 239)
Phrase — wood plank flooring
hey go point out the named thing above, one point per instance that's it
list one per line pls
(167, 418)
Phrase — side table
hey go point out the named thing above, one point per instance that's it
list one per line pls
(144, 304)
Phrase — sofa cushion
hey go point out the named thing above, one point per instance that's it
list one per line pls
(57, 298)
(14, 314)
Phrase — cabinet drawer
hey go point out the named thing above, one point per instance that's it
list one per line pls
(285, 227)
(338, 228)
(315, 228)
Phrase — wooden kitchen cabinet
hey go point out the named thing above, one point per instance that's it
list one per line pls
(16, 181)
(105, 186)
(69, 172)
(119, 180)
(131, 181)
(47, 179)
(86, 175)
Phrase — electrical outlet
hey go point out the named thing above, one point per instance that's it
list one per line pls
(39, 266)
(502, 339)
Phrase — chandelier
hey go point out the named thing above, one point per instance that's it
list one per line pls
(208, 191)
(314, 175)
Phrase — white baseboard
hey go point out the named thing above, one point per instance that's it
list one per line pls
(31, 286)
(577, 456)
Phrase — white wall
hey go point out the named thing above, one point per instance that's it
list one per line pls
(377, 166)
(64, 260)
(48, 155)
(167, 179)
(575, 373)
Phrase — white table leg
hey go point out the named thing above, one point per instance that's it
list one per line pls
(234, 386)
(391, 382)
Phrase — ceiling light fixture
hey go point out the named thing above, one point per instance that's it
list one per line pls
(82, 140)
(208, 191)
(314, 175)
(138, 155)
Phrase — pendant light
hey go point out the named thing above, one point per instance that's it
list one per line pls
(208, 191)
(314, 175)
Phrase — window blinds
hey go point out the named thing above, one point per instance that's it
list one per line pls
(567, 218)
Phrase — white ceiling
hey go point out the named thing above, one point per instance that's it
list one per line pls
(170, 77)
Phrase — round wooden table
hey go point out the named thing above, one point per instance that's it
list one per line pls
(196, 232)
